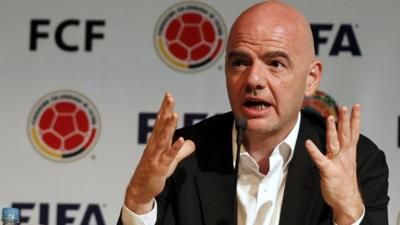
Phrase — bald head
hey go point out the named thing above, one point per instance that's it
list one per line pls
(278, 18)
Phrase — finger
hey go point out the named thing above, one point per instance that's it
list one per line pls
(178, 151)
(319, 159)
(170, 104)
(167, 96)
(332, 142)
(166, 109)
(174, 149)
(160, 110)
(161, 137)
(167, 132)
(187, 149)
(355, 123)
(343, 128)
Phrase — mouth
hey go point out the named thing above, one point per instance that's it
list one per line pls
(257, 105)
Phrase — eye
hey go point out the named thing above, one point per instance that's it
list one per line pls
(238, 63)
(277, 64)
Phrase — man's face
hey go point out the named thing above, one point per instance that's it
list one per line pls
(266, 71)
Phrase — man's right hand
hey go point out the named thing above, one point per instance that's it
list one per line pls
(158, 161)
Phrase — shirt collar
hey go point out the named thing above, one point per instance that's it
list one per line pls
(289, 141)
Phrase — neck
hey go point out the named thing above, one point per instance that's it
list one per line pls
(260, 149)
(260, 145)
(263, 143)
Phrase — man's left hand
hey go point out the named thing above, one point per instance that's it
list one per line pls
(338, 168)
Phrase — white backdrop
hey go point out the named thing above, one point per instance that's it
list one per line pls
(124, 76)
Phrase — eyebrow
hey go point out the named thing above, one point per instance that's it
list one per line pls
(267, 55)
(239, 54)
(274, 54)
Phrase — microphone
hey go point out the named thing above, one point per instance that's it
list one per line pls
(240, 125)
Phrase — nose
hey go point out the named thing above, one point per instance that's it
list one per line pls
(256, 77)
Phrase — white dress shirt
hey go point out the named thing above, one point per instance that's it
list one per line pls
(259, 196)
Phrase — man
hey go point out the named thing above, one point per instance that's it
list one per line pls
(293, 168)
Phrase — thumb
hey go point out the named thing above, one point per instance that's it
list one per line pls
(186, 149)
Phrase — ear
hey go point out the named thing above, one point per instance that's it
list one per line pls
(313, 77)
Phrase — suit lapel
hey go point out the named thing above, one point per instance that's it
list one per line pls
(215, 184)
(216, 193)
(302, 201)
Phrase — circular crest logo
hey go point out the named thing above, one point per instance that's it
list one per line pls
(322, 104)
(190, 36)
(64, 125)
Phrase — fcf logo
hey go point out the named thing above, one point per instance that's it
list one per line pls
(64, 125)
(190, 36)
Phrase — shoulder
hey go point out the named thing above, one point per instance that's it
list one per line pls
(314, 120)
(213, 140)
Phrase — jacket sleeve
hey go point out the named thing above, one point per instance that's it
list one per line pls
(165, 202)
(373, 174)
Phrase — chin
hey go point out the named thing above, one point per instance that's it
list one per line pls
(259, 125)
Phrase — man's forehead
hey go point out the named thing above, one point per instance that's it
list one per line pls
(262, 38)
(262, 31)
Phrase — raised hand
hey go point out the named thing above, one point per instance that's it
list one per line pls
(158, 161)
(338, 168)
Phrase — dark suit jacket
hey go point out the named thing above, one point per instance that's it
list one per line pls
(201, 190)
